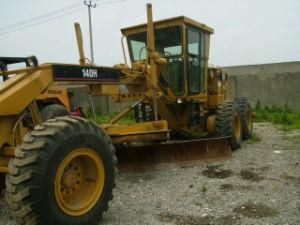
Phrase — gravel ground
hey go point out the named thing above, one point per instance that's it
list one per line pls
(260, 184)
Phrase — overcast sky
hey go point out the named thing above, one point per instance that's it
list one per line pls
(246, 31)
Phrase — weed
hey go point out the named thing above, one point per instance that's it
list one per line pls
(282, 116)
(254, 138)
(204, 188)
(88, 111)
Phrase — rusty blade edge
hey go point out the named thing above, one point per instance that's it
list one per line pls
(181, 152)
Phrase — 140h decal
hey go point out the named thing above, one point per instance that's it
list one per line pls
(89, 73)
(80, 73)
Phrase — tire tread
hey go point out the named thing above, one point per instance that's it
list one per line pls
(26, 167)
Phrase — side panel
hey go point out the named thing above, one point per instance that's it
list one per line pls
(15, 98)
(217, 87)
(56, 95)
(6, 127)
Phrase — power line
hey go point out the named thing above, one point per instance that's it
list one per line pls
(44, 21)
(90, 5)
(43, 18)
(66, 8)
(109, 2)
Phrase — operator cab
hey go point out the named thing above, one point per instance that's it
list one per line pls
(185, 44)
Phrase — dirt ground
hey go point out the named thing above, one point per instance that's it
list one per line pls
(260, 184)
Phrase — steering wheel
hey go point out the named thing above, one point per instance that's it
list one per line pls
(166, 53)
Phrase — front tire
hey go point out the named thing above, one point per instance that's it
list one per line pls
(246, 117)
(63, 174)
(228, 123)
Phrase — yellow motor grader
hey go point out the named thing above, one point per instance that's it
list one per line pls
(62, 170)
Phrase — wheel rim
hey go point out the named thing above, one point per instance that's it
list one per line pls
(237, 126)
(79, 181)
(249, 119)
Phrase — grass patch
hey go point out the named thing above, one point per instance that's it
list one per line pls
(254, 139)
(288, 137)
(103, 119)
(283, 116)
(204, 188)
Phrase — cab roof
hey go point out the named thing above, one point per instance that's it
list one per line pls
(168, 22)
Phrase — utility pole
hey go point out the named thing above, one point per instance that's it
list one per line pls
(90, 5)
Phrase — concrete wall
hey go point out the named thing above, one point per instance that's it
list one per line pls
(81, 98)
(271, 84)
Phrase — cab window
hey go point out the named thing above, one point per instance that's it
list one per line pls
(168, 42)
(195, 60)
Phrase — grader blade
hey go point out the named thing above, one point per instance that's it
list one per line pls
(136, 157)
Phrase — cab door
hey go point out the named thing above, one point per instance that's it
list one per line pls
(195, 61)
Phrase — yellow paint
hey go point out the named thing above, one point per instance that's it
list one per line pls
(16, 94)
(249, 118)
(79, 181)
(211, 124)
(237, 126)
(4, 164)
(6, 125)
(55, 95)
(8, 151)
(137, 128)
(215, 100)
(168, 22)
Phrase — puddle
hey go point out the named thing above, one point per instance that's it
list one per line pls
(176, 219)
(227, 220)
(214, 171)
(293, 180)
(230, 187)
(251, 210)
(226, 187)
(249, 174)
(264, 168)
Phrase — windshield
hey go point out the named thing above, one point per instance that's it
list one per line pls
(167, 42)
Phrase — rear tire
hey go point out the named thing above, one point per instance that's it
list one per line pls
(228, 123)
(53, 110)
(246, 117)
(63, 174)
(2, 181)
